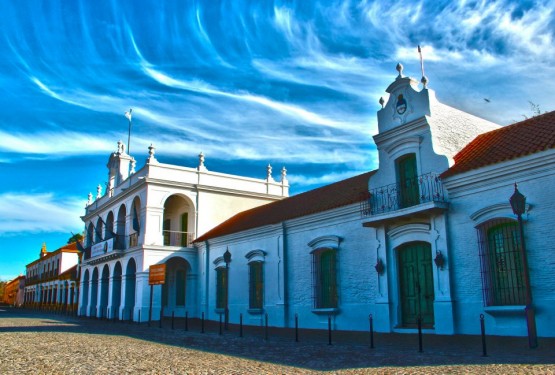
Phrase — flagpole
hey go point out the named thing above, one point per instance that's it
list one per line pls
(128, 115)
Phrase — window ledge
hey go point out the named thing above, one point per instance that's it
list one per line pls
(326, 311)
(255, 311)
(505, 310)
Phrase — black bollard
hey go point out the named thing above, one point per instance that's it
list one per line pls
(131, 316)
(296, 328)
(371, 331)
(220, 324)
(329, 329)
(266, 327)
(202, 324)
(483, 329)
(161, 317)
(419, 334)
(241, 325)
(186, 320)
(173, 316)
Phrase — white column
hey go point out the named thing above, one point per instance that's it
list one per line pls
(110, 294)
(122, 306)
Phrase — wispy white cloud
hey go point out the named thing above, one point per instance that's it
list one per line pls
(294, 111)
(41, 212)
(54, 143)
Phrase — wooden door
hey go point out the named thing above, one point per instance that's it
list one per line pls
(416, 284)
(409, 193)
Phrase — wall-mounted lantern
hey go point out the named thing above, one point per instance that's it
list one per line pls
(380, 267)
(439, 260)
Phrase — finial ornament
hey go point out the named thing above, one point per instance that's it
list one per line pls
(201, 166)
(424, 81)
(382, 101)
(89, 200)
(151, 151)
(269, 173)
(133, 164)
(283, 174)
(399, 68)
(99, 191)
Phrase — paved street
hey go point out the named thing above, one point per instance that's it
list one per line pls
(44, 343)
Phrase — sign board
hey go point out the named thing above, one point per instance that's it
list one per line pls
(102, 248)
(157, 274)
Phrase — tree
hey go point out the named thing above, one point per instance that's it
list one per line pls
(75, 238)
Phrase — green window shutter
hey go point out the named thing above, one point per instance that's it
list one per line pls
(256, 285)
(221, 290)
(325, 279)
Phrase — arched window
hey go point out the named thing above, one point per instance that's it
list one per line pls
(501, 263)
(255, 260)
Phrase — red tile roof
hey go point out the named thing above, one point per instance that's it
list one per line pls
(523, 138)
(325, 198)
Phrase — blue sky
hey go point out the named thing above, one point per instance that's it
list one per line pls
(290, 83)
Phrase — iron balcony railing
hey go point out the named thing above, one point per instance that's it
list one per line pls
(175, 238)
(421, 189)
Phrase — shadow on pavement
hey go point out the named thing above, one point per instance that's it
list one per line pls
(348, 349)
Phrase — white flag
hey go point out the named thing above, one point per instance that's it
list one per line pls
(128, 114)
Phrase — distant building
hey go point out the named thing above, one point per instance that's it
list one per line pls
(52, 281)
(13, 292)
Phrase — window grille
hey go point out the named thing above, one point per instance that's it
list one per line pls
(324, 278)
(501, 263)
(221, 289)
(256, 285)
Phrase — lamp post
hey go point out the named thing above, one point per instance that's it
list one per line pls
(518, 204)
(227, 260)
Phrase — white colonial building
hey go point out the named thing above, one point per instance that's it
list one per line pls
(151, 217)
(429, 237)
(52, 281)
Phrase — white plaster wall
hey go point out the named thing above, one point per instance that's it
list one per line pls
(492, 187)
(288, 286)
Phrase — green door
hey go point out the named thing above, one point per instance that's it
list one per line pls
(409, 193)
(416, 284)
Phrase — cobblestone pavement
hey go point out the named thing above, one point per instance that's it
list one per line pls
(43, 343)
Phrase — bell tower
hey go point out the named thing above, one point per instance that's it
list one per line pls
(118, 166)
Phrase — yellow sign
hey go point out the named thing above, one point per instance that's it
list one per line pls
(157, 274)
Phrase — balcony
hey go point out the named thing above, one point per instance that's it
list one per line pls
(415, 195)
(175, 238)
